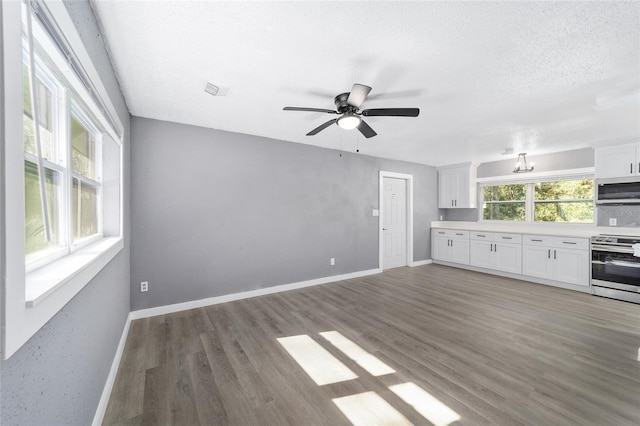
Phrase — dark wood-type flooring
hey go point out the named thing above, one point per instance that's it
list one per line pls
(496, 351)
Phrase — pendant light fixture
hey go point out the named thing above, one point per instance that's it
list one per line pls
(521, 164)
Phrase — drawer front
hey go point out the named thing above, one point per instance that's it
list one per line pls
(460, 235)
(537, 240)
(481, 236)
(560, 242)
(569, 242)
(437, 232)
(450, 233)
(508, 238)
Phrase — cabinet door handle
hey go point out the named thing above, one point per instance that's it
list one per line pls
(554, 254)
(456, 203)
(458, 233)
(479, 235)
(537, 241)
(549, 254)
(507, 238)
(495, 248)
(568, 242)
(491, 247)
(441, 232)
(451, 203)
(630, 168)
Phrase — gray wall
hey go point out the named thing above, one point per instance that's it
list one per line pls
(575, 159)
(57, 377)
(217, 213)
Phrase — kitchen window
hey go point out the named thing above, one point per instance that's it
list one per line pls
(563, 201)
(504, 202)
(546, 199)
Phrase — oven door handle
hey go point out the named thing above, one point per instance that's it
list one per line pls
(597, 262)
(625, 264)
(614, 249)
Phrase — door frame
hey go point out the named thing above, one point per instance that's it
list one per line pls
(409, 251)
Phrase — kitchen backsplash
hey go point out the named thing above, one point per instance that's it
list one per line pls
(624, 215)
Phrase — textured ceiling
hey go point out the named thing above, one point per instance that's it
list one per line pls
(533, 76)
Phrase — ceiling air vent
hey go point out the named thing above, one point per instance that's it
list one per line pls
(211, 89)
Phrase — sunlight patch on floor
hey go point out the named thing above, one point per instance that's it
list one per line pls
(425, 404)
(369, 408)
(316, 361)
(364, 359)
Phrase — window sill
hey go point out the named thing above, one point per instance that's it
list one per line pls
(44, 281)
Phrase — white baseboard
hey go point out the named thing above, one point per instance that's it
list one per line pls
(420, 263)
(111, 378)
(168, 309)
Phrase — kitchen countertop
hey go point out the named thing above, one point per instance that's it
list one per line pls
(554, 229)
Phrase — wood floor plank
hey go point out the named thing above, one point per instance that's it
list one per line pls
(496, 351)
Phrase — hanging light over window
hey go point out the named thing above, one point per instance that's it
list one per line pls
(521, 164)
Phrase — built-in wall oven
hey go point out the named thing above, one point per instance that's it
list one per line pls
(615, 271)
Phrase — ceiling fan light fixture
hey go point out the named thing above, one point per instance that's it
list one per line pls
(349, 121)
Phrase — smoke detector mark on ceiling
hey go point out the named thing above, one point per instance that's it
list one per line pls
(211, 89)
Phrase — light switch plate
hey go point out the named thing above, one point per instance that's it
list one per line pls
(376, 212)
(613, 221)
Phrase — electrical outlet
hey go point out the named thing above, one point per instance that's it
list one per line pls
(144, 286)
(613, 221)
(332, 261)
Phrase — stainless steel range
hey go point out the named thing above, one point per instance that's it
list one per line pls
(615, 271)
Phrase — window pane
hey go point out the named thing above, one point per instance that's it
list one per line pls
(504, 211)
(35, 239)
(85, 209)
(84, 149)
(504, 202)
(45, 109)
(564, 201)
(513, 192)
(581, 189)
(581, 211)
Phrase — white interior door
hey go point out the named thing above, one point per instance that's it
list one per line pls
(394, 223)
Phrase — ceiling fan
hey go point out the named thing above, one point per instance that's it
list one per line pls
(348, 105)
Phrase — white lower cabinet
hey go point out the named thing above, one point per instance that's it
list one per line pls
(556, 258)
(501, 252)
(450, 245)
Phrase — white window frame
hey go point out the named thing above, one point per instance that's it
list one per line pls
(530, 179)
(31, 299)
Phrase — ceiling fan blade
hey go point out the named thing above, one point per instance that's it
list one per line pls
(322, 127)
(391, 112)
(357, 95)
(366, 130)
(329, 111)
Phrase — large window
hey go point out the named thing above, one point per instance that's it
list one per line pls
(551, 200)
(69, 161)
(62, 168)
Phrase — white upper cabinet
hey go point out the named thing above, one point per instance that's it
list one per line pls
(457, 186)
(618, 161)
